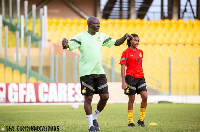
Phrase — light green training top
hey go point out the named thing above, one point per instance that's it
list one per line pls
(90, 47)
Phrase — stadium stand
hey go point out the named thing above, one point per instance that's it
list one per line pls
(158, 39)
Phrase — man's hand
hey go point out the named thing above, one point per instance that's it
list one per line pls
(124, 86)
(65, 43)
(122, 39)
(128, 36)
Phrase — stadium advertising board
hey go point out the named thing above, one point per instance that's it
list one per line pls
(40, 93)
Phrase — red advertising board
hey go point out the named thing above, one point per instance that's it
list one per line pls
(40, 93)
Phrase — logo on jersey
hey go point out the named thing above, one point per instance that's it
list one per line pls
(131, 55)
(127, 90)
(99, 39)
(140, 55)
(84, 90)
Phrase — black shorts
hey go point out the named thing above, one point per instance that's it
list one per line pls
(94, 84)
(134, 85)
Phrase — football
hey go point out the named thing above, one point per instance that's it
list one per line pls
(74, 106)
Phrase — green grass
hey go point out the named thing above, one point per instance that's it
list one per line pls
(169, 117)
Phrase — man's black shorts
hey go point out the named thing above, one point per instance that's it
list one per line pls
(94, 84)
(134, 85)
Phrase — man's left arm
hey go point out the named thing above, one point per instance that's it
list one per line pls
(122, 39)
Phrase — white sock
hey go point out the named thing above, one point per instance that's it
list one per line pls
(96, 114)
(90, 120)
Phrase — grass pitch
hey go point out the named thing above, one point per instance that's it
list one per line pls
(169, 117)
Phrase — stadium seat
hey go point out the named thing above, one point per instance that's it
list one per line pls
(54, 21)
(174, 40)
(196, 47)
(1, 66)
(130, 22)
(8, 75)
(157, 47)
(189, 41)
(61, 21)
(16, 76)
(172, 49)
(1, 72)
(181, 26)
(75, 21)
(168, 35)
(167, 24)
(189, 50)
(188, 24)
(124, 22)
(173, 21)
(196, 40)
(166, 41)
(181, 40)
(142, 47)
(152, 23)
(144, 22)
(184, 34)
(32, 80)
(117, 21)
(138, 22)
(159, 41)
(83, 21)
(160, 22)
(180, 21)
(196, 23)
(197, 34)
(165, 48)
(23, 78)
(68, 20)
(110, 22)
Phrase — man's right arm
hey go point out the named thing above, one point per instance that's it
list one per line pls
(74, 43)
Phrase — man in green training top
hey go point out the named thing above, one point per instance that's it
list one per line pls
(92, 76)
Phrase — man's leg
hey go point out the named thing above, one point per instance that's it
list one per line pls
(87, 90)
(101, 104)
(102, 88)
(88, 109)
(143, 108)
(87, 105)
(130, 110)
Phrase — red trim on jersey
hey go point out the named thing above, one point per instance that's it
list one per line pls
(133, 61)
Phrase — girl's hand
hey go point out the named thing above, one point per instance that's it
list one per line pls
(124, 86)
